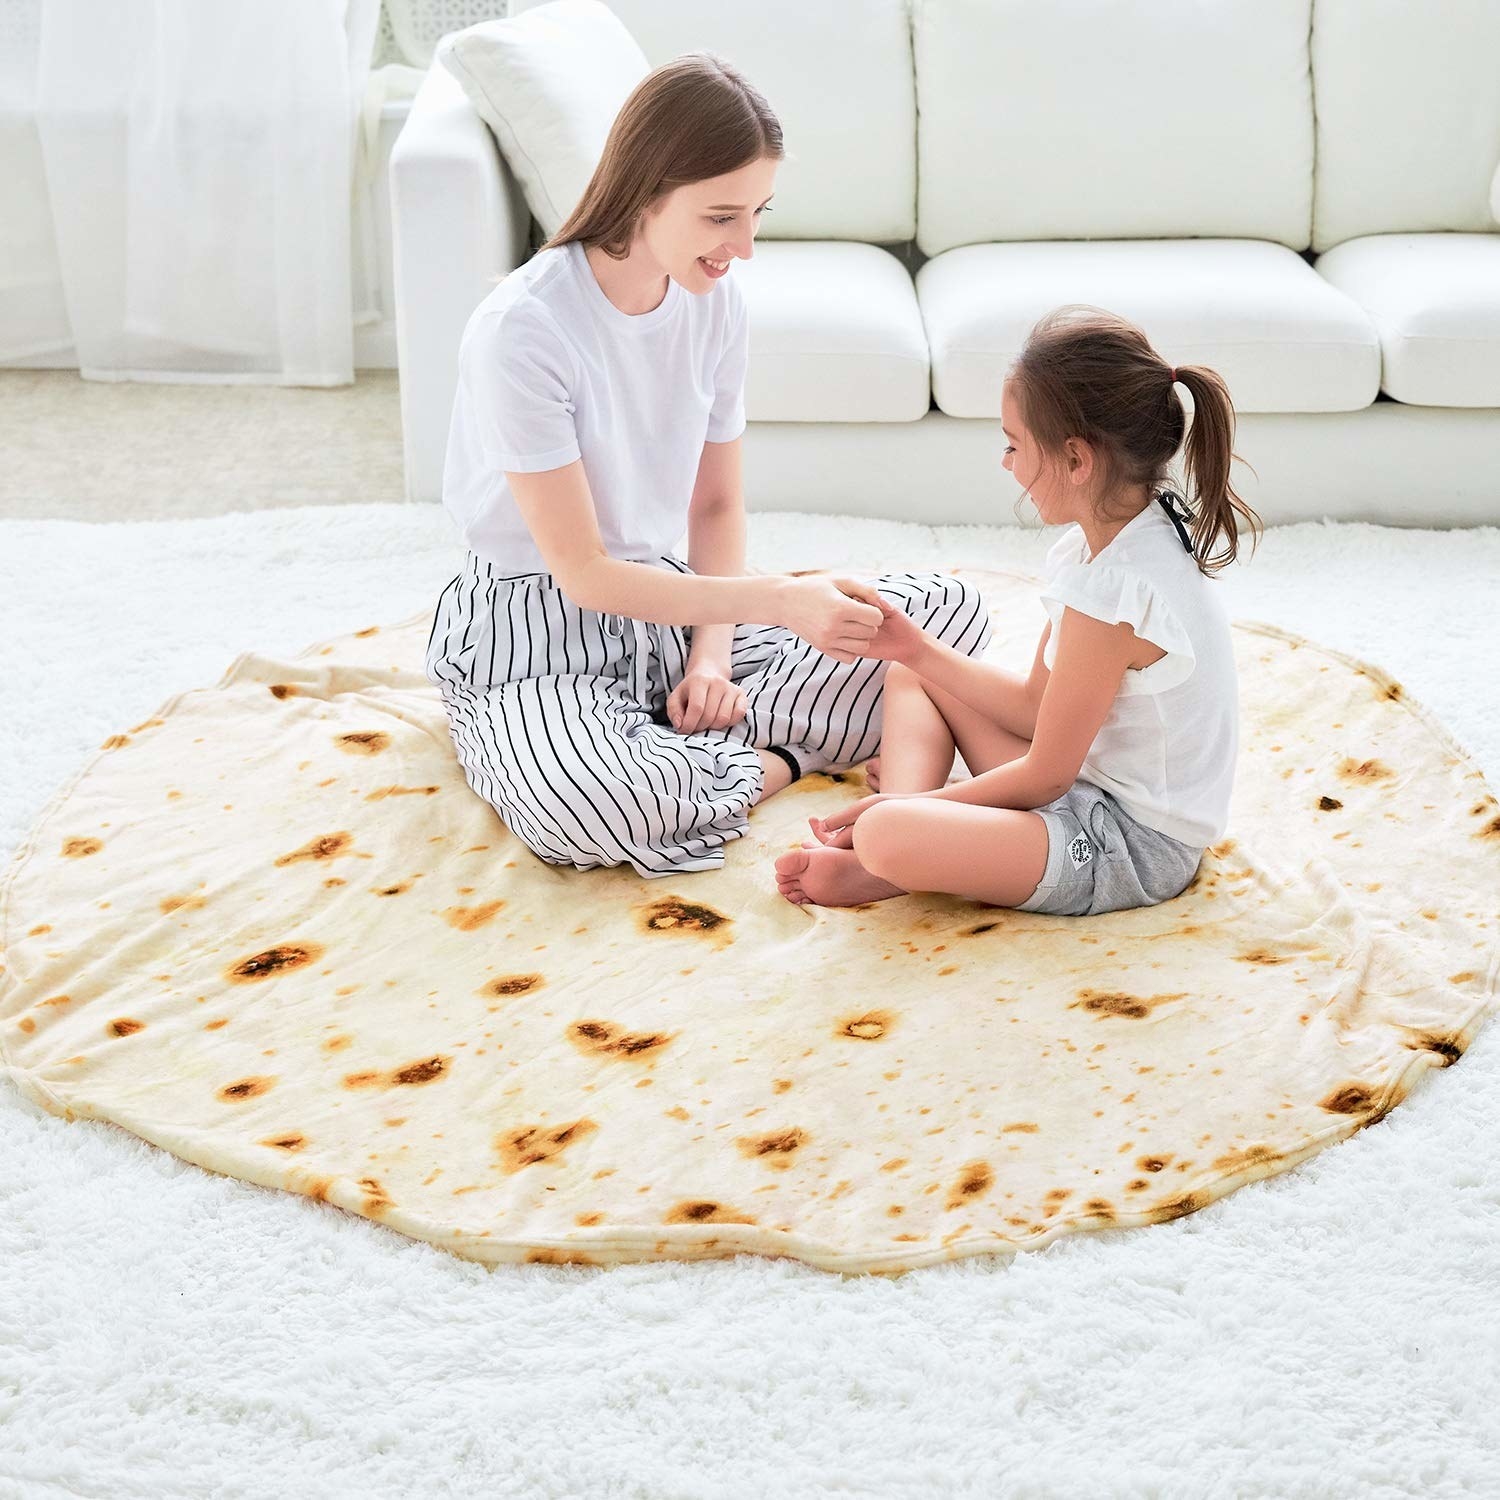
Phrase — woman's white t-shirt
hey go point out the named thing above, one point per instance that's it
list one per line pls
(550, 370)
(1167, 750)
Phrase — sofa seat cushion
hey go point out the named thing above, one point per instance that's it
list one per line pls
(1435, 301)
(835, 335)
(1282, 338)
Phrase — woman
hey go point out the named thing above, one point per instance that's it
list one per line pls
(602, 693)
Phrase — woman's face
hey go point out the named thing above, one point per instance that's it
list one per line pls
(710, 221)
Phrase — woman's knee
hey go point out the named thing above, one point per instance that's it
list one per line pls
(971, 601)
(948, 588)
(955, 609)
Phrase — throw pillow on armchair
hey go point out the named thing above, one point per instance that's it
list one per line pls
(549, 83)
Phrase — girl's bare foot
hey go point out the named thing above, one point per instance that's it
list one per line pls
(872, 772)
(824, 876)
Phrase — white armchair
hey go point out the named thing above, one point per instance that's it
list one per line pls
(458, 220)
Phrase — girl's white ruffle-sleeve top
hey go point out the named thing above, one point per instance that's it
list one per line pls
(1168, 748)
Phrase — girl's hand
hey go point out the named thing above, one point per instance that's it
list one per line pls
(705, 699)
(837, 828)
(899, 637)
(841, 838)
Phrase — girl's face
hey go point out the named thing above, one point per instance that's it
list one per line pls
(1058, 490)
(698, 228)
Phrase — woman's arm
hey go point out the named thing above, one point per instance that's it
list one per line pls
(716, 541)
(558, 508)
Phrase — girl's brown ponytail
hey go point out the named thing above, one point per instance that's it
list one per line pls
(1207, 452)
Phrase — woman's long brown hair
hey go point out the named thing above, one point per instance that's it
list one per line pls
(692, 118)
(1091, 374)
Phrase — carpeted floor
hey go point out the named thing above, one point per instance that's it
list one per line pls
(141, 450)
(165, 1331)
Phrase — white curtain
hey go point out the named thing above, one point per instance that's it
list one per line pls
(33, 319)
(387, 85)
(199, 161)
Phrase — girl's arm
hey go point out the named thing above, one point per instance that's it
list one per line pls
(1002, 696)
(1087, 671)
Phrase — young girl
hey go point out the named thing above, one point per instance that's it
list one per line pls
(1098, 780)
(601, 693)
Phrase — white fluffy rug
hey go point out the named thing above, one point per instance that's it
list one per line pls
(165, 1331)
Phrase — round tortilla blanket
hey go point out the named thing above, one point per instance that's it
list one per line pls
(272, 930)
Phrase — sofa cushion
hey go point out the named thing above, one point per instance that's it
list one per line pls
(1282, 338)
(1435, 301)
(1408, 109)
(1112, 119)
(549, 86)
(838, 74)
(835, 335)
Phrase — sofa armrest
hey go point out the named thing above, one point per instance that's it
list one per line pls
(458, 220)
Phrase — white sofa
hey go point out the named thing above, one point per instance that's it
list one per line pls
(1297, 193)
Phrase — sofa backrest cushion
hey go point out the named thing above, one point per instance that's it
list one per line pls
(1408, 101)
(1112, 119)
(838, 74)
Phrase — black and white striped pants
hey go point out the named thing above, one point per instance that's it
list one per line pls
(558, 714)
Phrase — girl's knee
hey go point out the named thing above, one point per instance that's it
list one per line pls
(881, 836)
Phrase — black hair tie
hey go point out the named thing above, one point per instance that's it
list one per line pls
(1164, 499)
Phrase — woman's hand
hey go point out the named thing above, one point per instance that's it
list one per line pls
(705, 699)
(837, 614)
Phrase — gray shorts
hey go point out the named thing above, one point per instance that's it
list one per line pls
(1101, 859)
